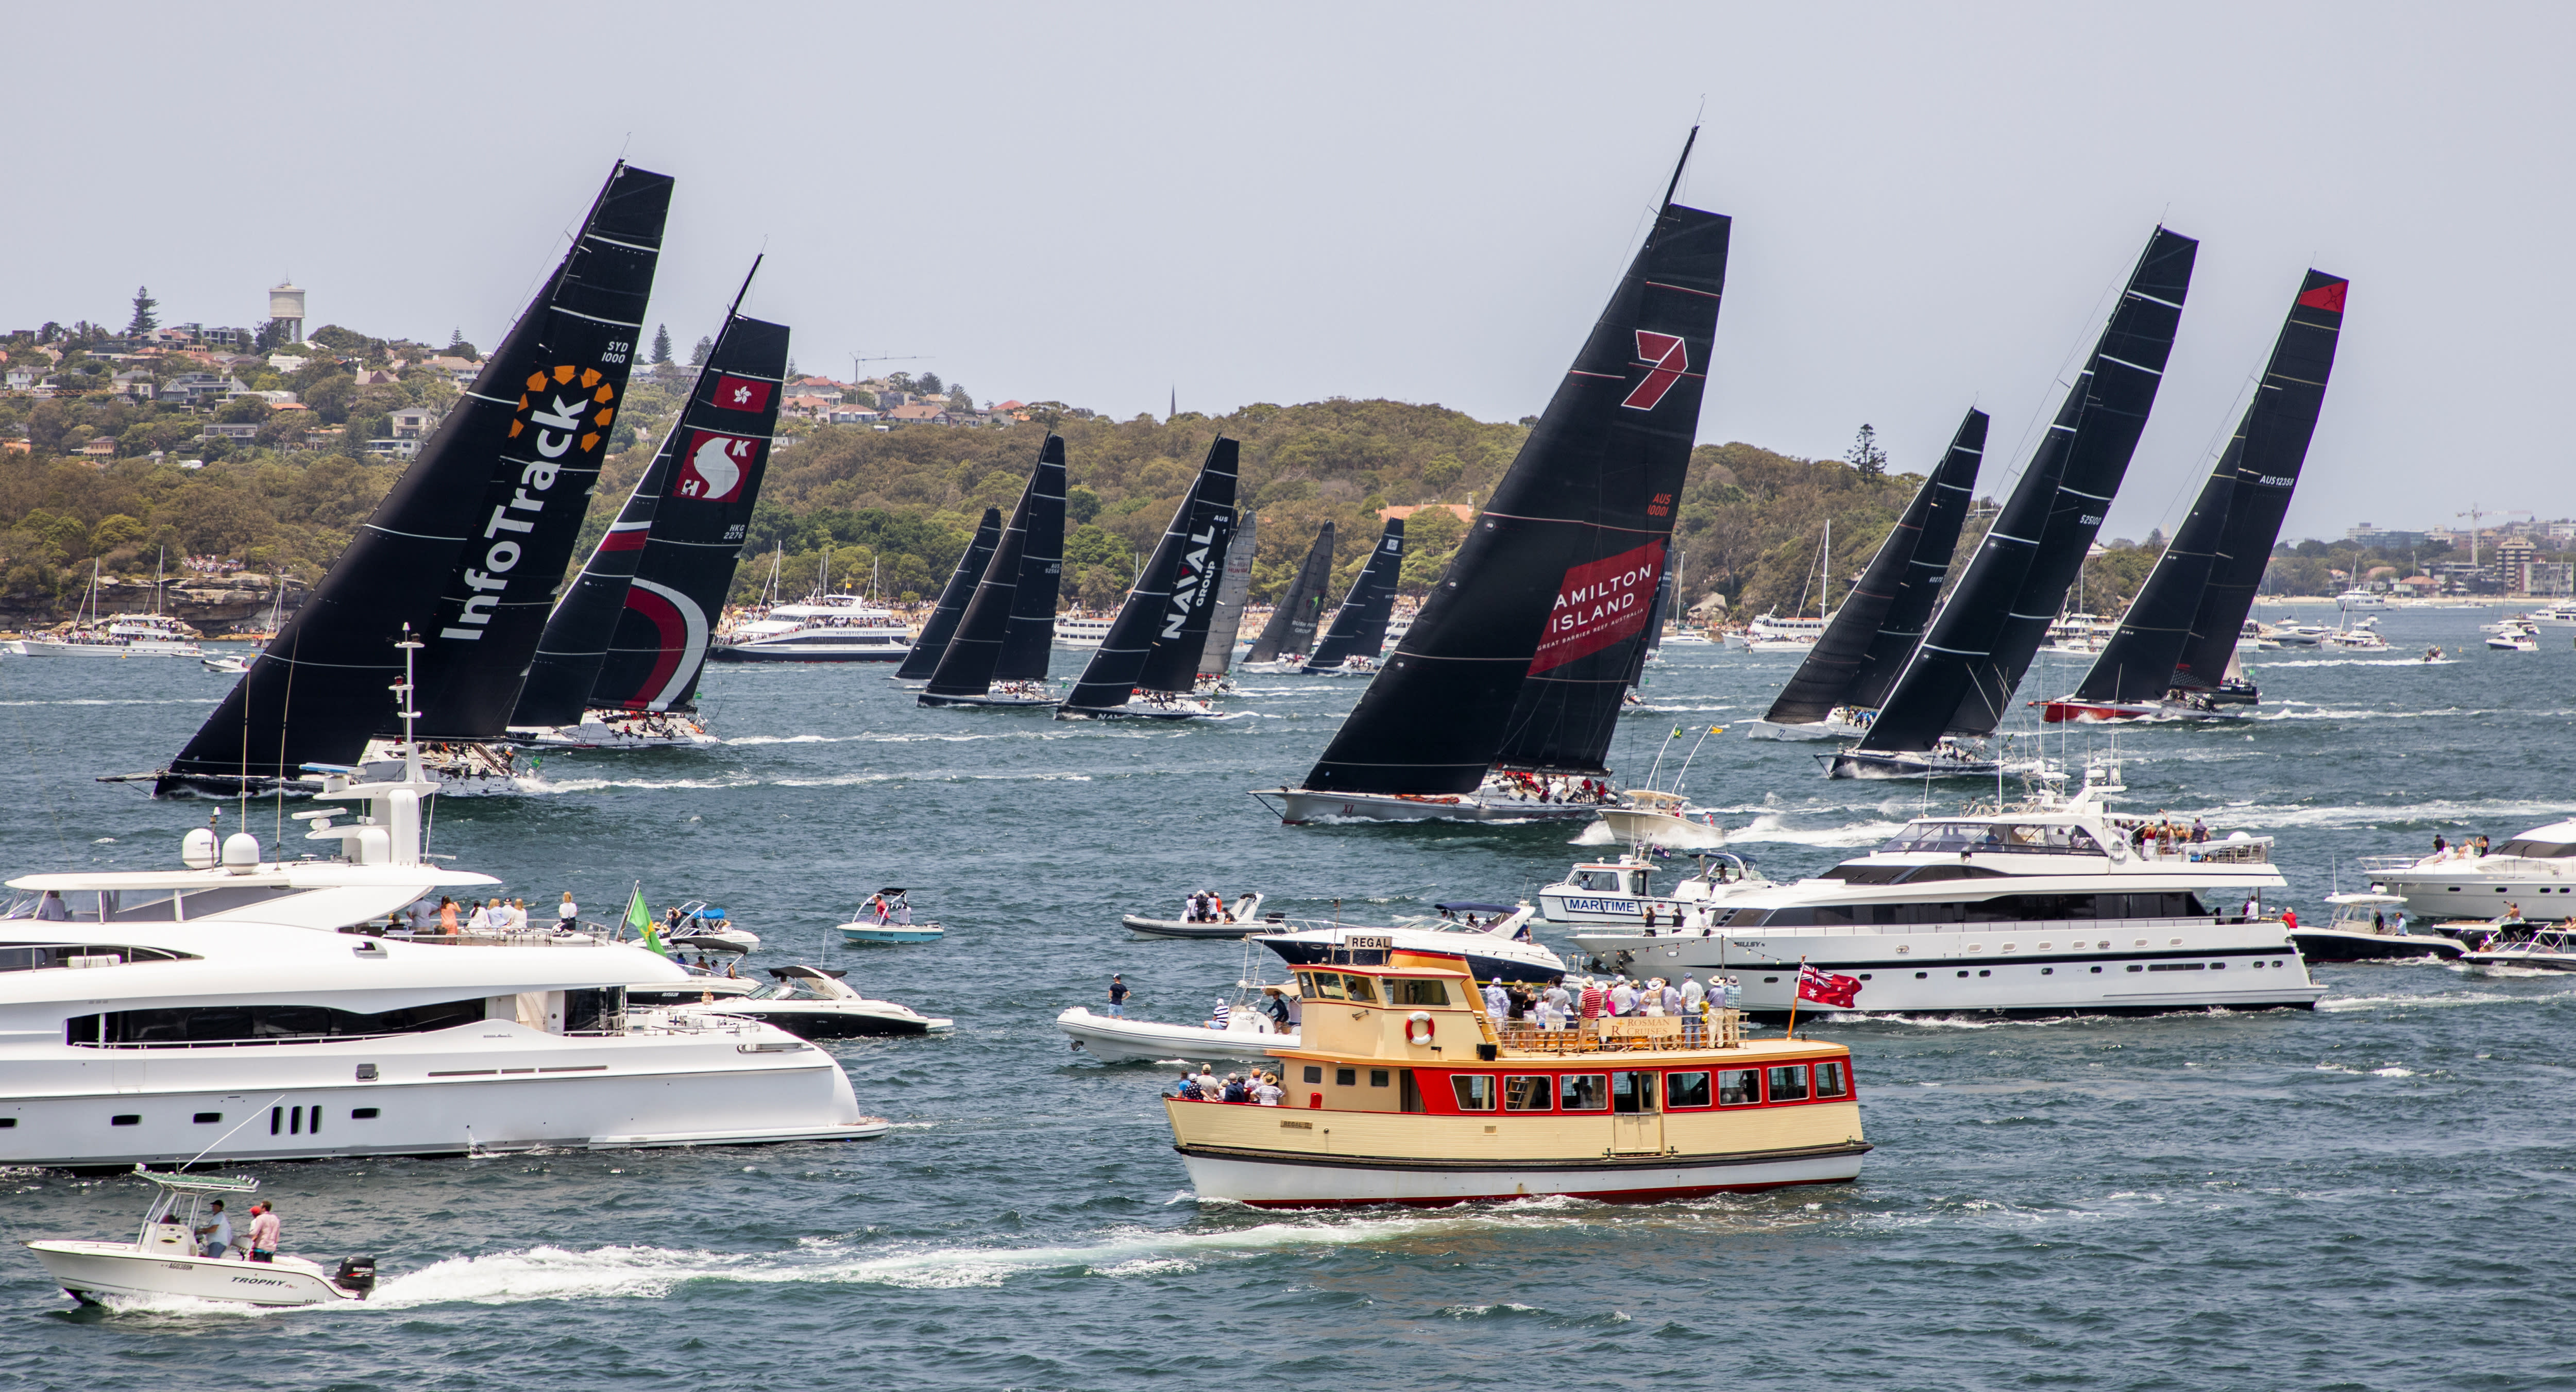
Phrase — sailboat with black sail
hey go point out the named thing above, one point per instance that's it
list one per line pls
(1225, 623)
(927, 649)
(999, 653)
(1961, 679)
(1358, 634)
(1837, 690)
(1290, 634)
(466, 548)
(619, 662)
(1501, 700)
(2175, 652)
(1148, 665)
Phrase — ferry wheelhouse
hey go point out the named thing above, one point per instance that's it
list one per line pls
(1400, 1088)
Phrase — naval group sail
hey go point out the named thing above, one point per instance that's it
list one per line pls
(941, 626)
(466, 549)
(999, 654)
(1517, 663)
(620, 657)
(2172, 652)
(1962, 676)
(1856, 660)
(1358, 633)
(1290, 634)
(1153, 646)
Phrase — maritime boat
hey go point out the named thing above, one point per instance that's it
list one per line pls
(2534, 872)
(2053, 905)
(1499, 949)
(1242, 919)
(2362, 930)
(1402, 1090)
(165, 1257)
(1620, 892)
(815, 1003)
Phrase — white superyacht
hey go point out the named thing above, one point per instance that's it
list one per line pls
(2046, 907)
(2534, 872)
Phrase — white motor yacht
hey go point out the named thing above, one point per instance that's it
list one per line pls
(2515, 635)
(2533, 948)
(2559, 615)
(1076, 629)
(1619, 893)
(90, 634)
(165, 1258)
(815, 1003)
(2358, 598)
(2046, 907)
(2535, 872)
(1496, 949)
(824, 628)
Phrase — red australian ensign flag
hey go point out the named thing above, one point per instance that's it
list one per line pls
(1599, 604)
(1828, 988)
(741, 393)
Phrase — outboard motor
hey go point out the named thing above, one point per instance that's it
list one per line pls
(357, 1275)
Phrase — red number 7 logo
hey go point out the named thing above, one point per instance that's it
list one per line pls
(1671, 360)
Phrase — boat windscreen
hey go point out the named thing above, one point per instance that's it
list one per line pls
(2538, 850)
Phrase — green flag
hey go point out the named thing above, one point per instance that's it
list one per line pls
(640, 918)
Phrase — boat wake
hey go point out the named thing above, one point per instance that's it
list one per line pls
(2358, 662)
(2432, 1002)
(1768, 827)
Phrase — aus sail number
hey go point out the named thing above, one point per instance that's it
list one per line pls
(1662, 506)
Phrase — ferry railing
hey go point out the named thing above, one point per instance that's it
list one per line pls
(1713, 1029)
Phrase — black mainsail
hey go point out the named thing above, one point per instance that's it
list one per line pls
(2270, 447)
(1233, 586)
(1874, 631)
(1359, 626)
(1291, 630)
(712, 454)
(1175, 585)
(990, 627)
(467, 547)
(1520, 656)
(2138, 663)
(659, 647)
(942, 624)
(1963, 674)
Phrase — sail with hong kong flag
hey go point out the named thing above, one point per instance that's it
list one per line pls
(1519, 658)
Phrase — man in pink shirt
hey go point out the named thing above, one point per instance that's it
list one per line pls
(263, 1232)
(1593, 999)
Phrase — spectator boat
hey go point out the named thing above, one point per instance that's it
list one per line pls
(2535, 947)
(821, 628)
(165, 1258)
(1619, 892)
(1246, 1035)
(1401, 1089)
(815, 1003)
(1499, 948)
(2361, 931)
(1241, 919)
(90, 634)
(2535, 871)
(890, 924)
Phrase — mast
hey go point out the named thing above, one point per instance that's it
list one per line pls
(1857, 657)
(1217, 658)
(1520, 656)
(444, 551)
(967, 667)
(1359, 627)
(1291, 630)
(1173, 587)
(919, 663)
(1989, 627)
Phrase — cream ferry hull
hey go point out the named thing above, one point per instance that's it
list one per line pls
(1312, 1182)
(92, 1269)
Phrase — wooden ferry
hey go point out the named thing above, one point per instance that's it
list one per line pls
(1401, 1089)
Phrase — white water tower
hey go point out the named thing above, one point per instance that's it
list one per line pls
(286, 306)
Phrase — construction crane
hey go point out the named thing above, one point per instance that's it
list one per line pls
(857, 358)
(2474, 513)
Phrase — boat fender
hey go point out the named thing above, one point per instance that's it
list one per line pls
(2119, 848)
(1418, 1028)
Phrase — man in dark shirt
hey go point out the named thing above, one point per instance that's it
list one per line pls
(1117, 996)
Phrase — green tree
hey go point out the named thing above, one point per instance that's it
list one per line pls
(662, 345)
(930, 384)
(1865, 457)
(1081, 503)
(698, 355)
(958, 400)
(145, 320)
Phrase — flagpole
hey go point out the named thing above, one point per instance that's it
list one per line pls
(1793, 996)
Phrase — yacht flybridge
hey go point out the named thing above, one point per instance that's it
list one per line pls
(2050, 906)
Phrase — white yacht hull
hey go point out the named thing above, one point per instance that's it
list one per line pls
(39, 647)
(1114, 1039)
(1321, 1181)
(606, 730)
(91, 1270)
(1298, 806)
(1631, 824)
(1815, 730)
(2442, 893)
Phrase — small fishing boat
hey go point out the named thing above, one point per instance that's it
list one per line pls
(2361, 931)
(815, 1003)
(1240, 920)
(165, 1257)
(887, 918)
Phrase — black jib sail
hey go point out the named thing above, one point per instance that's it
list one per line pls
(1173, 586)
(1962, 676)
(942, 624)
(1874, 632)
(974, 656)
(660, 645)
(1359, 627)
(1181, 639)
(1291, 630)
(1520, 656)
(2271, 445)
(1232, 588)
(507, 471)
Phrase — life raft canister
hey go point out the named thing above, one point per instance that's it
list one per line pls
(1418, 1028)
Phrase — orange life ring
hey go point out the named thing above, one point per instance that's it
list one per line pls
(1419, 1028)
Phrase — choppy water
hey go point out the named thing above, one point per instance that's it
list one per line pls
(2373, 1195)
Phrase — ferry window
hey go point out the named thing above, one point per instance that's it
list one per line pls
(209, 1118)
(1314, 1072)
(1686, 1090)
(2097, 971)
(1475, 1091)
(1583, 1092)
(363, 1114)
(1378, 1077)
(1360, 989)
(1738, 1087)
(1527, 1094)
(1346, 1077)
(1833, 1079)
(1789, 1083)
(1326, 985)
(127, 1119)
(1409, 1097)
(1414, 991)
(1633, 1092)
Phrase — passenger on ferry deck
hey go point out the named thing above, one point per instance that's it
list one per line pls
(1623, 997)
(1235, 1091)
(1498, 1006)
(1551, 1016)
(1650, 998)
(1273, 1003)
(1558, 996)
(1267, 1091)
(1692, 993)
(1595, 1000)
(1674, 1000)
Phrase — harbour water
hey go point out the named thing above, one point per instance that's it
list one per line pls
(2370, 1195)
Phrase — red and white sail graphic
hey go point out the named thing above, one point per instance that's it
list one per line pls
(711, 469)
(681, 628)
(1670, 358)
(1599, 604)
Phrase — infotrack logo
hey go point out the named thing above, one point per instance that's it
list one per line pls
(569, 409)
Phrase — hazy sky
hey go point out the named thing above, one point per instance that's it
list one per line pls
(1102, 203)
